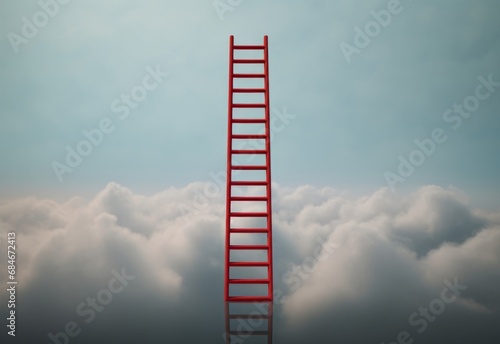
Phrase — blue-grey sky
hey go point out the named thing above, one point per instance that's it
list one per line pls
(352, 120)
(385, 165)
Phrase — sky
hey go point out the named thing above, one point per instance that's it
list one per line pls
(384, 158)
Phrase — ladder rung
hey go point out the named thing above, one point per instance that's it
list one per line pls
(247, 264)
(254, 333)
(249, 105)
(249, 198)
(249, 90)
(249, 299)
(249, 60)
(248, 47)
(240, 75)
(248, 167)
(249, 120)
(248, 247)
(248, 183)
(249, 136)
(249, 316)
(251, 214)
(248, 230)
(249, 151)
(248, 281)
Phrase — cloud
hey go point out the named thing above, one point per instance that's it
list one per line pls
(391, 254)
(394, 255)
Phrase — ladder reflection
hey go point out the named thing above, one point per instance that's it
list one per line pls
(248, 322)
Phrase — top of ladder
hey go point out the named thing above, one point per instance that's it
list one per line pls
(249, 47)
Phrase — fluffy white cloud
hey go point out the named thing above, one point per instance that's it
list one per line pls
(385, 256)
(389, 256)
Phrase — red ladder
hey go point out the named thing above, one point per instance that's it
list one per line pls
(233, 169)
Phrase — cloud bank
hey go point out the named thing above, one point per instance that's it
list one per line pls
(423, 267)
